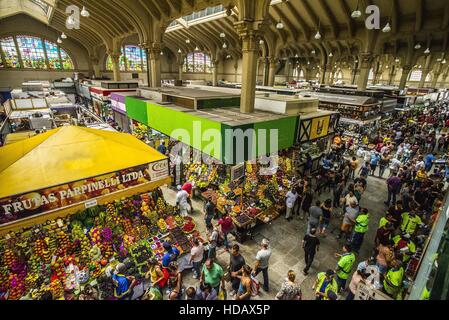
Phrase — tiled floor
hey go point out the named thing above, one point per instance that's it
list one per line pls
(285, 239)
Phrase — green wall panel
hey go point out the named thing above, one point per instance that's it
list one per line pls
(197, 132)
(137, 109)
(286, 133)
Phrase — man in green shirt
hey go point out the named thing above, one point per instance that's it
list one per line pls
(212, 274)
(344, 266)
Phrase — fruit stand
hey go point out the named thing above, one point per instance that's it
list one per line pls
(60, 231)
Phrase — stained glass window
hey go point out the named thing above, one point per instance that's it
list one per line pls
(197, 62)
(415, 75)
(134, 58)
(67, 63)
(53, 55)
(371, 75)
(144, 60)
(10, 53)
(32, 52)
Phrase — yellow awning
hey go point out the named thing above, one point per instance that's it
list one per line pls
(68, 154)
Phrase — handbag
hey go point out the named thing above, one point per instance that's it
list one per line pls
(222, 295)
(255, 286)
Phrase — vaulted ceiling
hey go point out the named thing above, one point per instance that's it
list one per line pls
(111, 21)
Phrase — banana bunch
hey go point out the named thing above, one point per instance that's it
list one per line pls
(110, 209)
(63, 241)
(8, 258)
(34, 263)
(179, 221)
(31, 281)
(107, 250)
(161, 204)
(40, 246)
(52, 243)
(127, 227)
(58, 267)
(57, 289)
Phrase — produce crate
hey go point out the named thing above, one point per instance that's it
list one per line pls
(242, 220)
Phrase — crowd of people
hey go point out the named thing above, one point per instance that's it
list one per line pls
(409, 153)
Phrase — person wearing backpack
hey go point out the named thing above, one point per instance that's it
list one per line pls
(171, 254)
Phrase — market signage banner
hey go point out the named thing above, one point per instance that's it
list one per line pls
(22, 206)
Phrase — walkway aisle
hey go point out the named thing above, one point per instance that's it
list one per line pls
(285, 240)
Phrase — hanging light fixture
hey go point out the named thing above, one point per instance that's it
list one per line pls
(331, 55)
(59, 40)
(427, 51)
(63, 36)
(162, 53)
(317, 35)
(356, 13)
(85, 13)
(261, 42)
(279, 25)
(222, 35)
(313, 52)
(418, 46)
(397, 60)
(439, 59)
(179, 51)
(228, 56)
(387, 28)
(197, 49)
(187, 40)
(444, 61)
(225, 45)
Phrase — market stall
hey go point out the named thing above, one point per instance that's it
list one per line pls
(94, 203)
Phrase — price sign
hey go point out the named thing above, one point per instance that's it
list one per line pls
(91, 203)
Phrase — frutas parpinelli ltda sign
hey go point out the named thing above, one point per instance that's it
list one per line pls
(21, 206)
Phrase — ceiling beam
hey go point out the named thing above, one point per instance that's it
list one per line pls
(328, 13)
(163, 8)
(149, 7)
(395, 17)
(419, 15)
(312, 15)
(347, 13)
(445, 22)
(176, 6)
(304, 28)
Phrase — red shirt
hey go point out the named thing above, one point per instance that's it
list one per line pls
(187, 187)
(226, 224)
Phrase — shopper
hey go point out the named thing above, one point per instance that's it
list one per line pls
(315, 214)
(344, 266)
(375, 158)
(353, 165)
(357, 277)
(123, 285)
(290, 200)
(236, 263)
(311, 245)
(262, 263)
(383, 164)
(214, 236)
(182, 201)
(244, 291)
(162, 148)
(394, 184)
(175, 282)
(226, 227)
(206, 293)
(196, 257)
(209, 212)
(156, 274)
(290, 289)
(325, 220)
(349, 218)
(307, 202)
(212, 274)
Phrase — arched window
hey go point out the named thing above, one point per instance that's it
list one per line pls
(338, 75)
(371, 75)
(132, 58)
(197, 62)
(415, 75)
(33, 53)
(301, 74)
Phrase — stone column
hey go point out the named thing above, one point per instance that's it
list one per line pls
(95, 67)
(391, 74)
(425, 72)
(435, 79)
(443, 80)
(272, 74)
(266, 71)
(366, 61)
(154, 56)
(249, 32)
(236, 69)
(215, 73)
(287, 70)
(404, 76)
(115, 58)
(328, 74)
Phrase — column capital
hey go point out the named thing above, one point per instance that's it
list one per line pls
(115, 56)
(154, 50)
(94, 59)
(272, 60)
(250, 33)
(366, 59)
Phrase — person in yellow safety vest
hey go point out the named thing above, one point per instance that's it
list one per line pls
(325, 283)
(360, 228)
(410, 222)
(405, 246)
(384, 220)
(425, 294)
(344, 266)
(393, 279)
